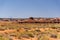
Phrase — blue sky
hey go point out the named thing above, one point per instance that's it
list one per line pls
(28, 8)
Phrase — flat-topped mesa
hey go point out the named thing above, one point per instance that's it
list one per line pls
(32, 20)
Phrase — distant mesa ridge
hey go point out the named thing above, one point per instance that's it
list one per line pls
(32, 20)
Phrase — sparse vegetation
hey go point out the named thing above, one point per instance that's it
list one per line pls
(40, 31)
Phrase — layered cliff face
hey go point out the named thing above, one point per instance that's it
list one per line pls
(27, 29)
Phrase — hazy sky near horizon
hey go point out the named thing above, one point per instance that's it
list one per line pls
(28, 8)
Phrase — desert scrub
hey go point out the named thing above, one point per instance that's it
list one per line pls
(43, 37)
(58, 36)
(28, 33)
(3, 38)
